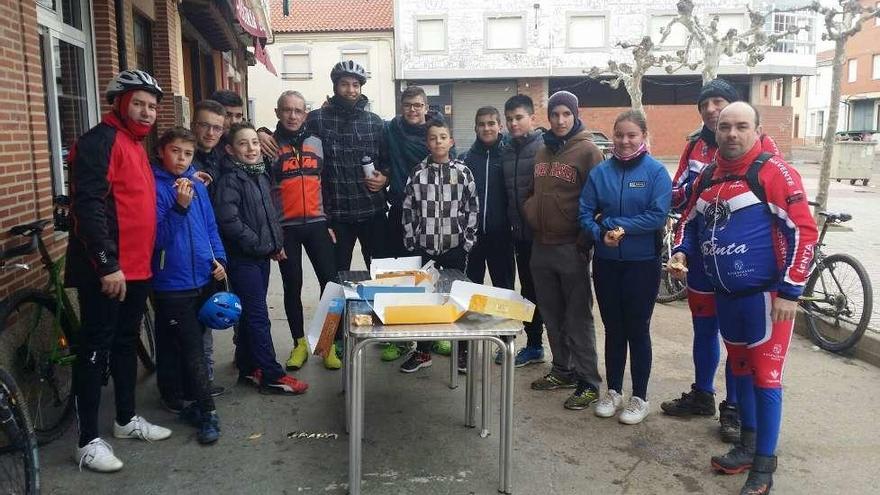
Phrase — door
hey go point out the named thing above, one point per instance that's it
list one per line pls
(467, 97)
(862, 115)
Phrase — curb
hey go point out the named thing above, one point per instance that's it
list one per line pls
(867, 349)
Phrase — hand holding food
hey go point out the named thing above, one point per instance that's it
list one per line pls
(184, 191)
(677, 266)
(616, 233)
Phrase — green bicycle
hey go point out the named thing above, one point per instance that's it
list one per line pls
(37, 338)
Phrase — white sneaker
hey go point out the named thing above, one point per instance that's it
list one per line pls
(140, 428)
(634, 412)
(609, 404)
(98, 456)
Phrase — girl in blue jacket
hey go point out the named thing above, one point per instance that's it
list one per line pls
(187, 259)
(624, 205)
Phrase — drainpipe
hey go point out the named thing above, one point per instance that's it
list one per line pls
(120, 34)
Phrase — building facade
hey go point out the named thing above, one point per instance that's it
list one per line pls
(56, 61)
(860, 85)
(476, 53)
(311, 36)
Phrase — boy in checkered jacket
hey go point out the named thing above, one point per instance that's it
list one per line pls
(440, 211)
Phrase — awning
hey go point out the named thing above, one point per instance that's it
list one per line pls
(262, 55)
(248, 20)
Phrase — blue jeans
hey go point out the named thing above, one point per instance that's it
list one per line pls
(255, 350)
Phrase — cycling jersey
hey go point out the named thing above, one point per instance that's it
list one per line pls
(748, 246)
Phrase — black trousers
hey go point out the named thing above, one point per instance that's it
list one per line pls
(455, 258)
(625, 291)
(494, 250)
(107, 346)
(371, 233)
(394, 246)
(319, 248)
(535, 328)
(181, 368)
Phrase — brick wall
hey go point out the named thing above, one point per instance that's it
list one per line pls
(669, 125)
(107, 58)
(25, 178)
(537, 90)
(862, 47)
(165, 45)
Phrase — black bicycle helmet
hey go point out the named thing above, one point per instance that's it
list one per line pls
(348, 68)
(129, 80)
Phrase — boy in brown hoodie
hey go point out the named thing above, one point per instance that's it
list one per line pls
(560, 254)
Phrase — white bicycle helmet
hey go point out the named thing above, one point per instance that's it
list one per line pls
(348, 68)
(129, 80)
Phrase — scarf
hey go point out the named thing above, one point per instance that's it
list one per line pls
(293, 137)
(255, 169)
(708, 137)
(643, 149)
(406, 149)
(555, 143)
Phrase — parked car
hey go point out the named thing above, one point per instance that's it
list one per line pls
(602, 142)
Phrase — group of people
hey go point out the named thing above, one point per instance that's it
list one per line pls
(223, 199)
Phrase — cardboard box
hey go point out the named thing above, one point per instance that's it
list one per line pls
(393, 309)
(313, 331)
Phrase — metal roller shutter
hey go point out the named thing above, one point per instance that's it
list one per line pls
(467, 97)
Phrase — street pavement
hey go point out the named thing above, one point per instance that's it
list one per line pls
(415, 441)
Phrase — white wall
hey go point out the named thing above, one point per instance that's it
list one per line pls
(545, 52)
(325, 50)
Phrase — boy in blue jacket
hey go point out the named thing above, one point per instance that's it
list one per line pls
(187, 260)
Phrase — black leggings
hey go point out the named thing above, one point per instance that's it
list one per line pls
(181, 370)
(107, 346)
(625, 291)
(319, 247)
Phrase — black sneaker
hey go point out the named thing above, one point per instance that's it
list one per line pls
(693, 403)
(191, 415)
(416, 361)
(728, 415)
(172, 405)
(739, 458)
(552, 382)
(216, 390)
(760, 479)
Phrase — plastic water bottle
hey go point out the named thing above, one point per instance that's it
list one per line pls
(367, 165)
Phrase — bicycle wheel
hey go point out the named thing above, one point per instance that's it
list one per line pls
(19, 463)
(837, 302)
(39, 358)
(146, 349)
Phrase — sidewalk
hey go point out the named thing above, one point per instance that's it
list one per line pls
(415, 441)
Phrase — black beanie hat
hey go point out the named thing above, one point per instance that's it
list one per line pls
(719, 88)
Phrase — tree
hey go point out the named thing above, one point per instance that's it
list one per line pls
(630, 75)
(751, 44)
(841, 24)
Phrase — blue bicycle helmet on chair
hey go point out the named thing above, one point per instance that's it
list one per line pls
(220, 311)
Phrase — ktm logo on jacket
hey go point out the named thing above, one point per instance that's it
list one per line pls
(297, 176)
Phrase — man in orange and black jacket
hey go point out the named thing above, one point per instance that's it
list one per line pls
(296, 175)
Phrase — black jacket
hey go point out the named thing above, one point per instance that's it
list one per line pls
(210, 162)
(518, 163)
(246, 215)
(485, 164)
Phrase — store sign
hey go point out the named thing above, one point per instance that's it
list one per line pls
(262, 56)
(248, 19)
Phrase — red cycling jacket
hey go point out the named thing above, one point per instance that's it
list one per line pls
(113, 206)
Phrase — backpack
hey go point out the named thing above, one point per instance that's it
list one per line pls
(705, 181)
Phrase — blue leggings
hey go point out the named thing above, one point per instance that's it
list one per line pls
(707, 346)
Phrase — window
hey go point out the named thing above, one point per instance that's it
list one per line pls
(68, 79)
(800, 42)
(875, 71)
(797, 88)
(586, 31)
(678, 34)
(360, 56)
(820, 122)
(797, 126)
(766, 91)
(505, 33)
(431, 35)
(296, 64)
(143, 43)
(778, 90)
(852, 70)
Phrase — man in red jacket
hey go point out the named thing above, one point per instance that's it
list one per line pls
(113, 207)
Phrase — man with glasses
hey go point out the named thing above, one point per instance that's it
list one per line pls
(208, 127)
